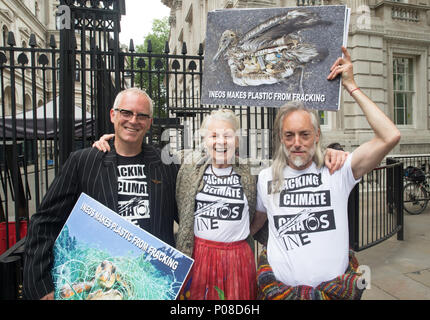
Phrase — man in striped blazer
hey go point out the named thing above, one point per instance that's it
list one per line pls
(130, 179)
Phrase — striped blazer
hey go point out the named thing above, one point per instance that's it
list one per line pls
(93, 172)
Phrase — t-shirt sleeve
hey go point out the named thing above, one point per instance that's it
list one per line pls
(261, 193)
(348, 179)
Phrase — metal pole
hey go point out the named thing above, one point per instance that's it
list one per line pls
(66, 109)
(398, 189)
(353, 218)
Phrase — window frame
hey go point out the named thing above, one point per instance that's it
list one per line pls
(328, 120)
(409, 93)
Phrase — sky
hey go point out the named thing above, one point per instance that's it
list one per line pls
(137, 22)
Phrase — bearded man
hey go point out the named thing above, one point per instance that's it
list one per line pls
(308, 254)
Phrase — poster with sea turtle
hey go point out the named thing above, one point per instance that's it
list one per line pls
(267, 57)
(99, 255)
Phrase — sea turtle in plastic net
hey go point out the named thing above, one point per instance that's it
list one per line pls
(101, 287)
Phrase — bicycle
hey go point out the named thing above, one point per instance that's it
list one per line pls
(416, 192)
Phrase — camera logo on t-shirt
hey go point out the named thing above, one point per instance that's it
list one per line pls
(133, 197)
(294, 229)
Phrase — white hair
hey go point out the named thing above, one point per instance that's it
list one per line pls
(221, 114)
(136, 91)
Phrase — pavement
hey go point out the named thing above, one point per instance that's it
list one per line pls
(400, 270)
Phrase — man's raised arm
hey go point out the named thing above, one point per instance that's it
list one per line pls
(367, 156)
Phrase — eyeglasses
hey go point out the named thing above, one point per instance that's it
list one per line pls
(127, 115)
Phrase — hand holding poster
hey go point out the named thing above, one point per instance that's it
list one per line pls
(267, 57)
(99, 255)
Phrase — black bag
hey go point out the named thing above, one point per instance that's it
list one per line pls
(414, 174)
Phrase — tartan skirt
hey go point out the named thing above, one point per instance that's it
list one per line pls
(221, 271)
(348, 286)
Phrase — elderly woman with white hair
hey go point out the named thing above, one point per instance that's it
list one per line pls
(216, 196)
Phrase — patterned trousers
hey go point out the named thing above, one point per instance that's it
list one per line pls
(348, 286)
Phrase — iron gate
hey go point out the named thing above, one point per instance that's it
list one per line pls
(375, 207)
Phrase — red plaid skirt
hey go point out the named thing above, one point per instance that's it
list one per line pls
(221, 271)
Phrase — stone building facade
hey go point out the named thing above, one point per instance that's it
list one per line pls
(389, 42)
(38, 17)
(23, 18)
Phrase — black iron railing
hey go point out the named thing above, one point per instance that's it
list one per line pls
(421, 161)
(375, 208)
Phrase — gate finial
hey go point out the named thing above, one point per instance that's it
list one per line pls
(11, 39)
(32, 42)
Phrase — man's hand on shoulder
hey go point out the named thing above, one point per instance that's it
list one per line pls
(334, 159)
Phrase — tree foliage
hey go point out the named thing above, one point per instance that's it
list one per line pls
(158, 36)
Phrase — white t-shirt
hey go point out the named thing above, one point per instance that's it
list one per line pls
(221, 207)
(308, 223)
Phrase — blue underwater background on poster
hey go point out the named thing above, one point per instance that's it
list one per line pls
(98, 255)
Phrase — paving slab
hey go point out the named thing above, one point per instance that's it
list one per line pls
(376, 293)
(421, 276)
(401, 269)
(403, 288)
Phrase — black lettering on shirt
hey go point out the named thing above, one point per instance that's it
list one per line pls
(219, 210)
(226, 187)
(303, 181)
(305, 222)
(305, 199)
(294, 229)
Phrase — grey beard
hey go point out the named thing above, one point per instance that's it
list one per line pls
(300, 162)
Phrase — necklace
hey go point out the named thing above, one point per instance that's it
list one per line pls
(227, 175)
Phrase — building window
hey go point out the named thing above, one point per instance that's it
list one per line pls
(27, 102)
(403, 84)
(4, 34)
(8, 100)
(189, 16)
(36, 10)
